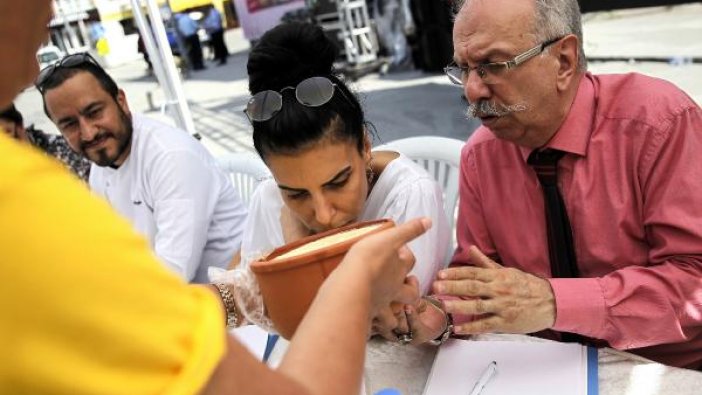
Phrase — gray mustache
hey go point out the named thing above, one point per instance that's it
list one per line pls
(485, 108)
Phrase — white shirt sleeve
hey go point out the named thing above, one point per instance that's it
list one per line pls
(185, 193)
(423, 199)
(262, 232)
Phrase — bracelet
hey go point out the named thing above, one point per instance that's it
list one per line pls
(448, 331)
(229, 305)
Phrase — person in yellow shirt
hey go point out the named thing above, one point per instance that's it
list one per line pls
(91, 311)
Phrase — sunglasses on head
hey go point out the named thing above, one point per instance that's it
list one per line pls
(311, 92)
(67, 62)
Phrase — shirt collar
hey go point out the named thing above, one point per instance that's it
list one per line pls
(574, 134)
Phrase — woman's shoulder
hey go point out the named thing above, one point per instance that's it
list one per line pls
(267, 186)
(402, 168)
(263, 231)
(266, 196)
(404, 179)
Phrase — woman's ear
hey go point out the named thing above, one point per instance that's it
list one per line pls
(367, 145)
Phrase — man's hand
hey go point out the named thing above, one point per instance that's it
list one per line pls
(394, 319)
(390, 321)
(426, 321)
(504, 300)
(423, 320)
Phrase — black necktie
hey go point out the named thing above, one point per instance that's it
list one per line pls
(560, 238)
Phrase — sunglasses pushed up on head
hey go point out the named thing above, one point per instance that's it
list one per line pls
(67, 62)
(310, 92)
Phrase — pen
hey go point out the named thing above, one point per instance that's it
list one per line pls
(484, 379)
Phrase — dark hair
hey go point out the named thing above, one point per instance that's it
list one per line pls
(11, 114)
(61, 74)
(286, 55)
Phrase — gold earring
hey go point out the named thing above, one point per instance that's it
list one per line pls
(370, 174)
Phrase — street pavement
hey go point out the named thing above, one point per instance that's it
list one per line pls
(413, 103)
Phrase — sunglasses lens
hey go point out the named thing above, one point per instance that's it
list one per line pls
(263, 105)
(73, 60)
(67, 62)
(314, 91)
(44, 74)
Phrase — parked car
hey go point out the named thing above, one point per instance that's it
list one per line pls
(46, 56)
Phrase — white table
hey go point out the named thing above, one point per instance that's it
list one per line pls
(390, 365)
(406, 368)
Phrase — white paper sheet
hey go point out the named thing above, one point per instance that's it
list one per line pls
(523, 368)
(253, 337)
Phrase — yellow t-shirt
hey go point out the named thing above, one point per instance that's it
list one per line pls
(85, 308)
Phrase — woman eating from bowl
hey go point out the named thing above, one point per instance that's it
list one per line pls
(310, 130)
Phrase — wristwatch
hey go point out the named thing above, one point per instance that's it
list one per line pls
(229, 305)
(448, 331)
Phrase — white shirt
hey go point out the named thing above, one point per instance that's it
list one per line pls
(403, 191)
(173, 193)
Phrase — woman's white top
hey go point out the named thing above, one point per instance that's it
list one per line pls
(403, 191)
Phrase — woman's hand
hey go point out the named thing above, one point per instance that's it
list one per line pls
(293, 228)
(391, 321)
(386, 322)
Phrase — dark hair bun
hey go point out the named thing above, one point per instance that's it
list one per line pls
(289, 53)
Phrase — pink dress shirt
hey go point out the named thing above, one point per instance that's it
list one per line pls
(632, 185)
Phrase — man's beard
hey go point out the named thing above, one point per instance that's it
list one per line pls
(484, 108)
(101, 157)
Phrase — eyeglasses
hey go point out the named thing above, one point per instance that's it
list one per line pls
(490, 73)
(67, 62)
(311, 92)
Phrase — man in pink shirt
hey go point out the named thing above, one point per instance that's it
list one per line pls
(629, 176)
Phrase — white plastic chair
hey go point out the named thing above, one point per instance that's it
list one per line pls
(245, 170)
(441, 157)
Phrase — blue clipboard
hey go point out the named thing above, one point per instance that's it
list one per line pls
(593, 383)
(270, 343)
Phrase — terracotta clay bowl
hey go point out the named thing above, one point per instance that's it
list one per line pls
(290, 276)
